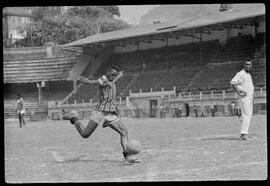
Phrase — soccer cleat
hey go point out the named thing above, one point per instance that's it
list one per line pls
(72, 116)
(246, 137)
(130, 159)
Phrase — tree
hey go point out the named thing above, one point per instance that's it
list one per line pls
(38, 13)
(77, 23)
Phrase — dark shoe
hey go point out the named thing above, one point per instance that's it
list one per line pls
(68, 116)
(130, 159)
(246, 137)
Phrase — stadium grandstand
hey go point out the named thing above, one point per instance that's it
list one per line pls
(177, 62)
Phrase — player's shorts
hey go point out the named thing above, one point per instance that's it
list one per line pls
(22, 111)
(104, 118)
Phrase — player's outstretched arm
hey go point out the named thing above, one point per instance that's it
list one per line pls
(85, 81)
(120, 75)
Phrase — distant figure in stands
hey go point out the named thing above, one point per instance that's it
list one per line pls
(195, 108)
(20, 111)
(187, 110)
(212, 110)
(243, 86)
(180, 110)
(173, 111)
(232, 109)
(237, 109)
(144, 66)
(106, 112)
(162, 111)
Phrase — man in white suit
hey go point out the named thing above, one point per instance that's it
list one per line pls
(243, 86)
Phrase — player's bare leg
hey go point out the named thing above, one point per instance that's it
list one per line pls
(120, 128)
(85, 132)
(23, 120)
(20, 120)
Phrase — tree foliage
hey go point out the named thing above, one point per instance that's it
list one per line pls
(77, 23)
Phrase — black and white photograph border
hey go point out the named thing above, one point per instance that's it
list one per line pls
(182, 86)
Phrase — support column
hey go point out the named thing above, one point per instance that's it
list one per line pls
(74, 84)
(167, 51)
(201, 60)
(39, 92)
(256, 40)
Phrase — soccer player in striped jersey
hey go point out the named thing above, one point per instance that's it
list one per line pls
(20, 111)
(106, 112)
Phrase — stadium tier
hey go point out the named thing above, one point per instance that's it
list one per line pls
(182, 68)
(214, 76)
(179, 78)
(237, 49)
(50, 69)
(53, 90)
(259, 73)
(22, 54)
(146, 81)
(187, 67)
(31, 104)
(37, 53)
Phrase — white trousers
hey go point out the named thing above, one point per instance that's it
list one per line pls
(246, 106)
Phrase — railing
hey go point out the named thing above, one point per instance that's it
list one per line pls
(182, 96)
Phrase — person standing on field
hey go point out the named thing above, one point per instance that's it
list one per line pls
(243, 86)
(20, 111)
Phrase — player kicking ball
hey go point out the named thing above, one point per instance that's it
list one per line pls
(106, 112)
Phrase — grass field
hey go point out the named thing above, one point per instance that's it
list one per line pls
(183, 149)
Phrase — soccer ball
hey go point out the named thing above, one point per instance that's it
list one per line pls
(134, 146)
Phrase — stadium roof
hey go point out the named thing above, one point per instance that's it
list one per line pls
(235, 18)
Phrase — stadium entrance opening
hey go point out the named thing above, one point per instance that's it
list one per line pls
(153, 108)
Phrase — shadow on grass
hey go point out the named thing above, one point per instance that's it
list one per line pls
(221, 138)
(80, 160)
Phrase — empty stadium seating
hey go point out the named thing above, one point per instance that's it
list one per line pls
(184, 69)
(157, 59)
(178, 78)
(54, 91)
(237, 48)
(259, 72)
(188, 67)
(37, 53)
(214, 76)
(38, 70)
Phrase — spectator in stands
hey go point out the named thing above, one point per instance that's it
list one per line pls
(243, 86)
(180, 110)
(20, 111)
(212, 110)
(232, 109)
(237, 109)
(137, 112)
(173, 111)
(154, 111)
(106, 112)
(195, 108)
(187, 110)
(162, 111)
(144, 66)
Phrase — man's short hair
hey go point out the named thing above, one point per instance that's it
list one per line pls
(114, 67)
(19, 95)
(247, 59)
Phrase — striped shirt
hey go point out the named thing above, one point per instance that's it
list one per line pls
(20, 105)
(106, 95)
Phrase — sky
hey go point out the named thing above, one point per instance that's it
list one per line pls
(132, 13)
